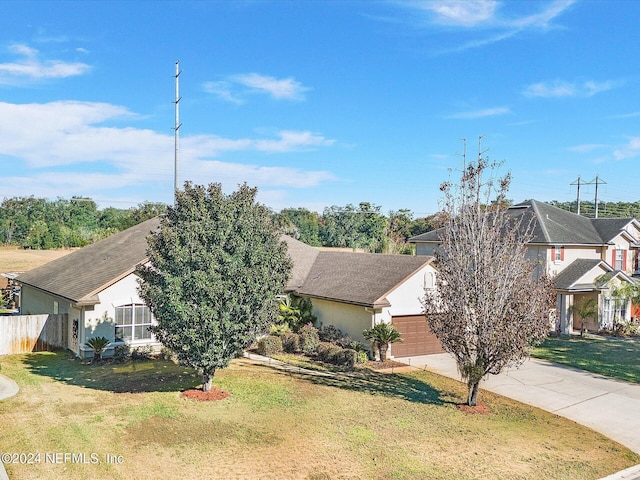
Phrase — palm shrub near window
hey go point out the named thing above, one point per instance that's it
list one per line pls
(382, 335)
(296, 312)
(98, 345)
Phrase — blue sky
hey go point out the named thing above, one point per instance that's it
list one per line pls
(318, 103)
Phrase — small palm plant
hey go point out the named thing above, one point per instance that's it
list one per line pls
(98, 345)
(588, 310)
(383, 335)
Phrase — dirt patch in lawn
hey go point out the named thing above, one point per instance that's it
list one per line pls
(214, 394)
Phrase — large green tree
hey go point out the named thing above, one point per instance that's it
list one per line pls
(216, 267)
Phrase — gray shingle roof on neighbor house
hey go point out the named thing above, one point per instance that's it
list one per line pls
(566, 280)
(358, 278)
(80, 275)
(555, 226)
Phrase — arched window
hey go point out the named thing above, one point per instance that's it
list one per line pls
(133, 322)
(429, 280)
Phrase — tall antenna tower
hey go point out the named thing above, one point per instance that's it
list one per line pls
(176, 129)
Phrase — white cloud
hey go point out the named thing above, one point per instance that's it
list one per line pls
(467, 13)
(563, 88)
(222, 90)
(487, 112)
(30, 67)
(286, 88)
(630, 150)
(587, 147)
(554, 89)
(63, 148)
(504, 18)
(236, 87)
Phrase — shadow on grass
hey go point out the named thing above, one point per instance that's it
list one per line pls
(129, 377)
(375, 383)
(608, 356)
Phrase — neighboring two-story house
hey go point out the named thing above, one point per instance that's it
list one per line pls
(588, 258)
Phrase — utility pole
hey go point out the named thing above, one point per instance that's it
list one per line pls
(597, 181)
(176, 129)
(578, 198)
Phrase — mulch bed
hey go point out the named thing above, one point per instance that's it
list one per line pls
(384, 365)
(214, 394)
(480, 409)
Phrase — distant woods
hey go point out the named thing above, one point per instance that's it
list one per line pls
(39, 223)
(43, 224)
(364, 227)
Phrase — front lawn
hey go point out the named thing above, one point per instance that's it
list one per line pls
(280, 425)
(610, 356)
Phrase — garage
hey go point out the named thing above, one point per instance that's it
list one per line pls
(417, 338)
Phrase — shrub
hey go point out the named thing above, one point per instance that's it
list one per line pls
(290, 342)
(269, 345)
(329, 333)
(346, 357)
(309, 339)
(98, 345)
(327, 351)
(279, 329)
(121, 353)
(361, 356)
(142, 353)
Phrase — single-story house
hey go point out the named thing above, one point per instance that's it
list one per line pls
(354, 291)
(96, 287)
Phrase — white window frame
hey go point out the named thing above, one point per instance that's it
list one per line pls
(619, 258)
(137, 323)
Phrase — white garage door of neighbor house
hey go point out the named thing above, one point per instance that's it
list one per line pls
(416, 336)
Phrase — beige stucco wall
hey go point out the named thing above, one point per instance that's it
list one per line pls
(571, 253)
(351, 319)
(622, 242)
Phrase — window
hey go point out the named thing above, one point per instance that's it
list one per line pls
(429, 281)
(133, 322)
(557, 254)
(619, 259)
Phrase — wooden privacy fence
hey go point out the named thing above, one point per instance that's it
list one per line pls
(32, 333)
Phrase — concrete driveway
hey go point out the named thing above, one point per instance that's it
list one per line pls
(608, 406)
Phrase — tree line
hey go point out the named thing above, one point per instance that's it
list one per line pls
(62, 223)
(362, 227)
(39, 223)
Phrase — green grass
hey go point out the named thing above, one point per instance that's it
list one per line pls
(283, 425)
(610, 356)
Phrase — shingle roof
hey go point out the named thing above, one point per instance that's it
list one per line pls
(80, 275)
(555, 226)
(359, 278)
(567, 278)
(610, 228)
(303, 257)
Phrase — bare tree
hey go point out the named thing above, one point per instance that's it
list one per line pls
(487, 309)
